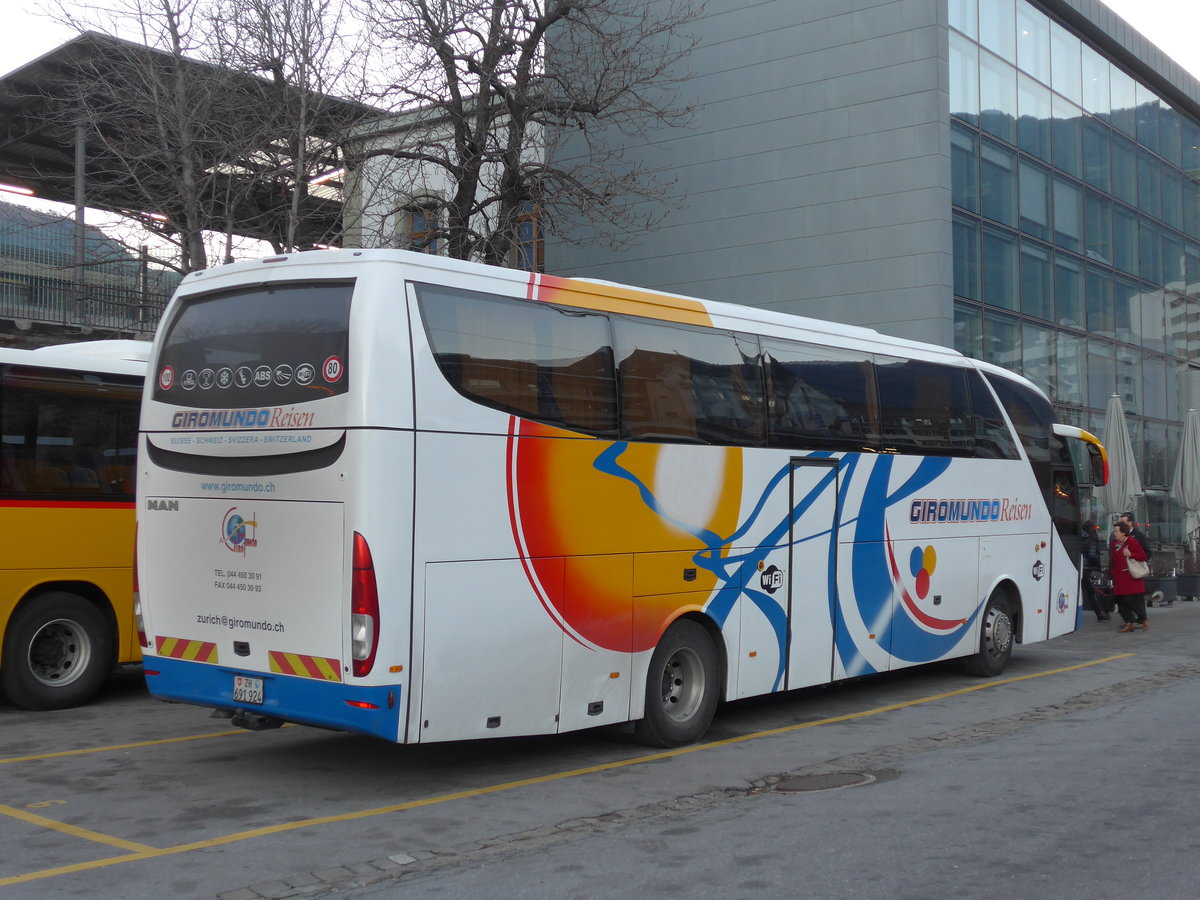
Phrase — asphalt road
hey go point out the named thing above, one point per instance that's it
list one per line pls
(1070, 775)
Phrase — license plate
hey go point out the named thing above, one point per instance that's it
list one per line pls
(247, 690)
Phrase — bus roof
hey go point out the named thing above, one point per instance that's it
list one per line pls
(116, 357)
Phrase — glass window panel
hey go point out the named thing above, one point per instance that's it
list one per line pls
(1095, 154)
(1068, 292)
(1068, 214)
(1033, 126)
(1002, 340)
(968, 330)
(1124, 169)
(1102, 373)
(966, 257)
(993, 440)
(1124, 101)
(997, 28)
(1177, 309)
(1150, 251)
(821, 397)
(1152, 328)
(1172, 261)
(997, 97)
(999, 268)
(1149, 190)
(964, 78)
(1067, 134)
(1037, 356)
(1154, 386)
(1099, 293)
(964, 17)
(924, 407)
(1127, 303)
(1170, 133)
(1125, 239)
(1033, 42)
(1158, 469)
(1129, 379)
(1071, 356)
(1147, 118)
(1097, 218)
(998, 182)
(1191, 205)
(1189, 145)
(692, 385)
(1191, 268)
(1174, 409)
(1037, 281)
(1064, 63)
(964, 167)
(1095, 82)
(1172, 192)
(1034, 200)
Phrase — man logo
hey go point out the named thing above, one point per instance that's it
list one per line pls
(1039, 570)
(163, 505)
(771, 579)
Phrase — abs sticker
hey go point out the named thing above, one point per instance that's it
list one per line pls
(332, 370)
(166, 378)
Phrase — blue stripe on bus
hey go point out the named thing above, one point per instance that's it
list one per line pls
(305, 701)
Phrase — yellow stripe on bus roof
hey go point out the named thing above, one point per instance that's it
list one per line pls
(615, 298)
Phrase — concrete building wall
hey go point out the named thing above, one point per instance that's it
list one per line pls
(815, 178)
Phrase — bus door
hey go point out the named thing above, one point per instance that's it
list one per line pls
(1065, 561)
(812, 572)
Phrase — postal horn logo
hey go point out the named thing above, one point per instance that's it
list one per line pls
(238, 533)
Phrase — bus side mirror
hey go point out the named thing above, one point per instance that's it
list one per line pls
(1099, 471)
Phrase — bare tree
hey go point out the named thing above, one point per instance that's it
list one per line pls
(509, 110)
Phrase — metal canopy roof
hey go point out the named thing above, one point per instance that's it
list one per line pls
(37, 141)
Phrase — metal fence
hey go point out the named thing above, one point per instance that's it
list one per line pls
(43, 299)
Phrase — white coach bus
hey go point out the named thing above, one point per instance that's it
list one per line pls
(430, 500)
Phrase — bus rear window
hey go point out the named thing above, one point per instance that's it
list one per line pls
(266, 346)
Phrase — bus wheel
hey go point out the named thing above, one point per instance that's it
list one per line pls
(681, 687)
(56, 653)
(995, 639)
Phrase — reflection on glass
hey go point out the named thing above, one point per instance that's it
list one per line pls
(1097, 228)
(1169, 133)
(963, 17)
(1068, 214)
(1125, 240)
(1033, 42)
(1064, 63)
(998, 182)
(1095, 82)
(1127, 306)
(964, 79)
(997, 28)
(1099, 292)
(1001, 341)
(1149, 191)
(997, 97)
(1068, 292)
(1153, 332)
(1176, 324)
(964, 168)
(1190, 199)
(999, 268)
(1102, 374)
(1172, 261)
(1191, 268)
(1070, 355)
(1147, 118)
(1149, 251)
(1037, 285)
(1129, 379)
(1034, 200)
(1124, 101)
(968, 330)
(1124, 169)
(1189, 145)
(1037, 356)
(1172, 192)
(1033, 126)
(1068, 137)
(1095, 154)
(966, 257)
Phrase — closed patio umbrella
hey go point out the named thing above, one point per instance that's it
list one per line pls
(1185, 486)
(1124, 483)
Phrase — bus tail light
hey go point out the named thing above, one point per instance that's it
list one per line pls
(364, 609)
(137, 598)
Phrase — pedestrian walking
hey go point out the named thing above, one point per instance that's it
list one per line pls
(1098, 601)
(1128, 591)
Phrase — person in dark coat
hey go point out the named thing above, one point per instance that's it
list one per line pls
(1129, 592)
(1093, 570)
(1136, 533)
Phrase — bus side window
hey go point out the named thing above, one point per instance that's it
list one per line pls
(690, 384)
(993, 440)
(925, 407)
(821, 397)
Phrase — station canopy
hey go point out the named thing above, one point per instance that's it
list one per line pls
(249, 191)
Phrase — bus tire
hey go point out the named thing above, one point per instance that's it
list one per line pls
(995, 639)
(681, 687)
(57, 652)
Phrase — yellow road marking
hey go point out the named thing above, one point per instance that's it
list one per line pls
(86, 833)
(152, 853)
(87, 750)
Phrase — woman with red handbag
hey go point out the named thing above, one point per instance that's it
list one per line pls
(1128, 591)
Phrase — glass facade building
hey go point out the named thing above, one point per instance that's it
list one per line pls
(1076, 229)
